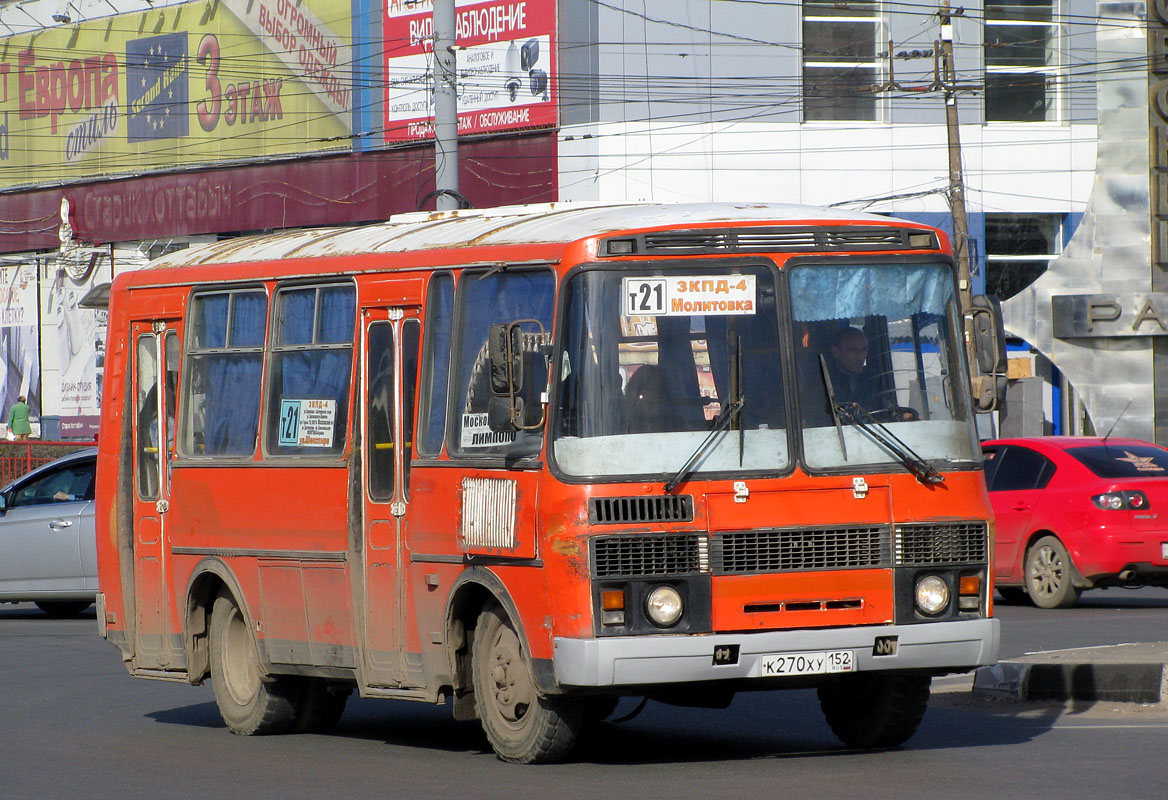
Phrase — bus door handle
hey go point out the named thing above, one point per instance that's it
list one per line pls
(59, 524)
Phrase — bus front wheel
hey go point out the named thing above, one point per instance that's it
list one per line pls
(249, 702)
(522, 726)
(868, 710)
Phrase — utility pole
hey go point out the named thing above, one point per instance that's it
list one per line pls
(445, 107)
(945, 81)
(956, 180)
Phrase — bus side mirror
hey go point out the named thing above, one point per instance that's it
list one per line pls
(989, 346)
(499, 412)
(506, 353)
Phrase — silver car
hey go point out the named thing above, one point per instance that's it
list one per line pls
(47, 537)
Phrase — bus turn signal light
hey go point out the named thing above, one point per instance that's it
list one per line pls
(612, 605)
(969, 593)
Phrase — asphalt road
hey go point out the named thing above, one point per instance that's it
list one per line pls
(75, 725)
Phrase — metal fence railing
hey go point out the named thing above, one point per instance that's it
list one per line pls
(18, 458)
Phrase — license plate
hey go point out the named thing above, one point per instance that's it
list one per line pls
(807, 663)
(1164, 550)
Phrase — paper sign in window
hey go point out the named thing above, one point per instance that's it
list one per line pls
(307, 423)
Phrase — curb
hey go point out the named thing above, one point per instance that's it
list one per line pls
(1127, 673)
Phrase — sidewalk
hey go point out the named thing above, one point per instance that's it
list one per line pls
(1131, 673)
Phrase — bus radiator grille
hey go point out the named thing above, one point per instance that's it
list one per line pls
(925, 544)
(798, 549)
(650, 555)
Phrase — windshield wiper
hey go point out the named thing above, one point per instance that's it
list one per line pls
(720, 424)
(832, 404)
(878, 432)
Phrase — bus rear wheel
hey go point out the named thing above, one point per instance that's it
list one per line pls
(522, 726)
(249, 702)
(319, 705)
(875, 709)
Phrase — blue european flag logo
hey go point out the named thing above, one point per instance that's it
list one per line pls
(156, 87)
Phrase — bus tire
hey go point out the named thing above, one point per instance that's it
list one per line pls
(319, 705)
(522, 726)
(249, 702)
(875, 709)
(1050, 575)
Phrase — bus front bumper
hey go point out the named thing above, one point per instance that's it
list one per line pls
(640, 660)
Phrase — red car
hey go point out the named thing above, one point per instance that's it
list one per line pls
(1075, 513)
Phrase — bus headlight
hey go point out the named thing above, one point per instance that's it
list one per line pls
(663, 606)
(932, 595)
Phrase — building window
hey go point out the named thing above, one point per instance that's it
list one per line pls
(842, 42)
(1019, 248)
(1021, 60)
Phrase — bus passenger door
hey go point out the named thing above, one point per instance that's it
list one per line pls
(155, 382)
(390, 367)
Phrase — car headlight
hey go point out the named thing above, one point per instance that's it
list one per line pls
(663, 606)
(932, 595)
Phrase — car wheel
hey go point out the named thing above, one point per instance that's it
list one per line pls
(1048, 575)
(249, 702)
(63, 608)
(522, 726)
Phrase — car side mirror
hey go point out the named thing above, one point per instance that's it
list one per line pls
(3, 504)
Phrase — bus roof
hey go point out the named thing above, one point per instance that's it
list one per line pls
(553, 223)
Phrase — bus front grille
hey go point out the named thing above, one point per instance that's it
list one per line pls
(926, 544)
(650, 555)
(622, 510)
(798, 549)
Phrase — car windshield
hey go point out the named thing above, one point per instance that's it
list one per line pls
(884, 342)
(654, 355)
(1123, 460)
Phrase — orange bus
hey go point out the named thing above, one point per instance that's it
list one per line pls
(527, 461)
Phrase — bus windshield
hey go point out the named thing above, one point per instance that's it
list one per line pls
(653, 355)
(884, 341)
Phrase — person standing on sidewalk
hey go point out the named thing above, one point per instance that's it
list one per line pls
(18, 419)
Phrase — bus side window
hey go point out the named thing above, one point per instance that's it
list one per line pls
(147, 422)
(379, 442)
(488, 298)
(221, 388)
(311, 370)
(436, 365)
(410, 336)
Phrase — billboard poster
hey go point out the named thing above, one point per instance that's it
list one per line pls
(506, 66)
(182, 85)
(80, 335)
(20, 371)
